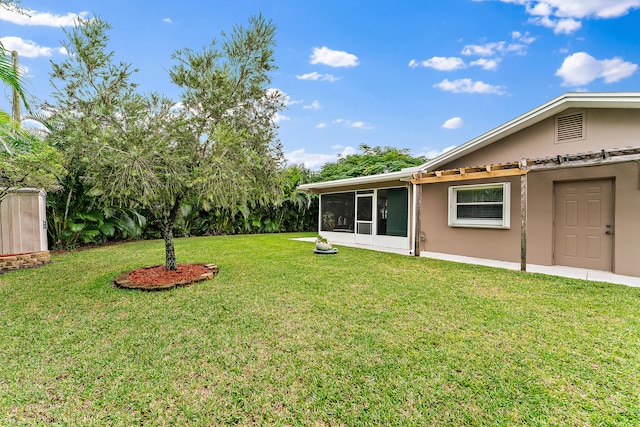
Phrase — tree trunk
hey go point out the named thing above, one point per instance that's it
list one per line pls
(170, 253)
(167, 235)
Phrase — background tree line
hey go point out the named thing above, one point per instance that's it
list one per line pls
(122, 165)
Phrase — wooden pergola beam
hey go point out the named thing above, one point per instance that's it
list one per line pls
(468, 176)
(522, 168)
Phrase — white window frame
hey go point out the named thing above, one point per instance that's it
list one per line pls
(502, 223)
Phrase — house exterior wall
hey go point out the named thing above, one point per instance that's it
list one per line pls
(437, 236)
(626, 207)
(504, 245)
(605, 128)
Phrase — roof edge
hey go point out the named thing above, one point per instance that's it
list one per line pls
(369, 179)
(544, 111)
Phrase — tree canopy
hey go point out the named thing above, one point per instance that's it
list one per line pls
(26, 160)
(217, 146)
(371, 161)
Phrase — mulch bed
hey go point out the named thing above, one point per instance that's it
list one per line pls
(158, 278)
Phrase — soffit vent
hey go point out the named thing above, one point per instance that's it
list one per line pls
(570, 127)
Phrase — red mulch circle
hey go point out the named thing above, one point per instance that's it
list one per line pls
(159, 278)
(159, 275)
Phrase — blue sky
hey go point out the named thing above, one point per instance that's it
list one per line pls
(421, 75)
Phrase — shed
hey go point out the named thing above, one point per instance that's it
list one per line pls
(23, 229)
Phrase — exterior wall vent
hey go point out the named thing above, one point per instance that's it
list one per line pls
(571, 127)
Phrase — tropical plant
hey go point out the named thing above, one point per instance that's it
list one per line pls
(329, 220)
(9, 75)
(293, 210)
(75, 218)
(297, 210)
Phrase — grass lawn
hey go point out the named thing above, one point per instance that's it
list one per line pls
(285, 337)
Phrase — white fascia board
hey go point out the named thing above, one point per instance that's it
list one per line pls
(551, 108)
(404, 174)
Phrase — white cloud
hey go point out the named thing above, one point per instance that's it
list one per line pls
(167, 20)
(321, 125)
(490, 54)
(469, 86)
(567, 26)
(333, 58)
(581, 69)
(315, 105)
(313, 160)
(24, 71)
(524, 38)
(439, 63)
(309, 160)
(431, 153)
(453, 123)
(586, 8)
(34, 17)
(539, 9)
(277, 118)
(564, 16)
(559, 26)
(315, 76)
(486, 64)
(347, 151)
(519, 47)
(352, 124)
(487, 49)
(28, 48)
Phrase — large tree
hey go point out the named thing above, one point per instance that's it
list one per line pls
(217, 146)
(371, 161)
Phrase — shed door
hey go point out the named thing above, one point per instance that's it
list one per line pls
(584, 224)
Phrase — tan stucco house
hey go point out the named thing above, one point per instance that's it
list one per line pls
(558, 185)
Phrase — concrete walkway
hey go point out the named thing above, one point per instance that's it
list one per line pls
(553, 270)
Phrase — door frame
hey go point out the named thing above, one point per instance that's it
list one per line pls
(365, 239)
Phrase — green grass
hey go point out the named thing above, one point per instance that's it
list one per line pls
(285, 337)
